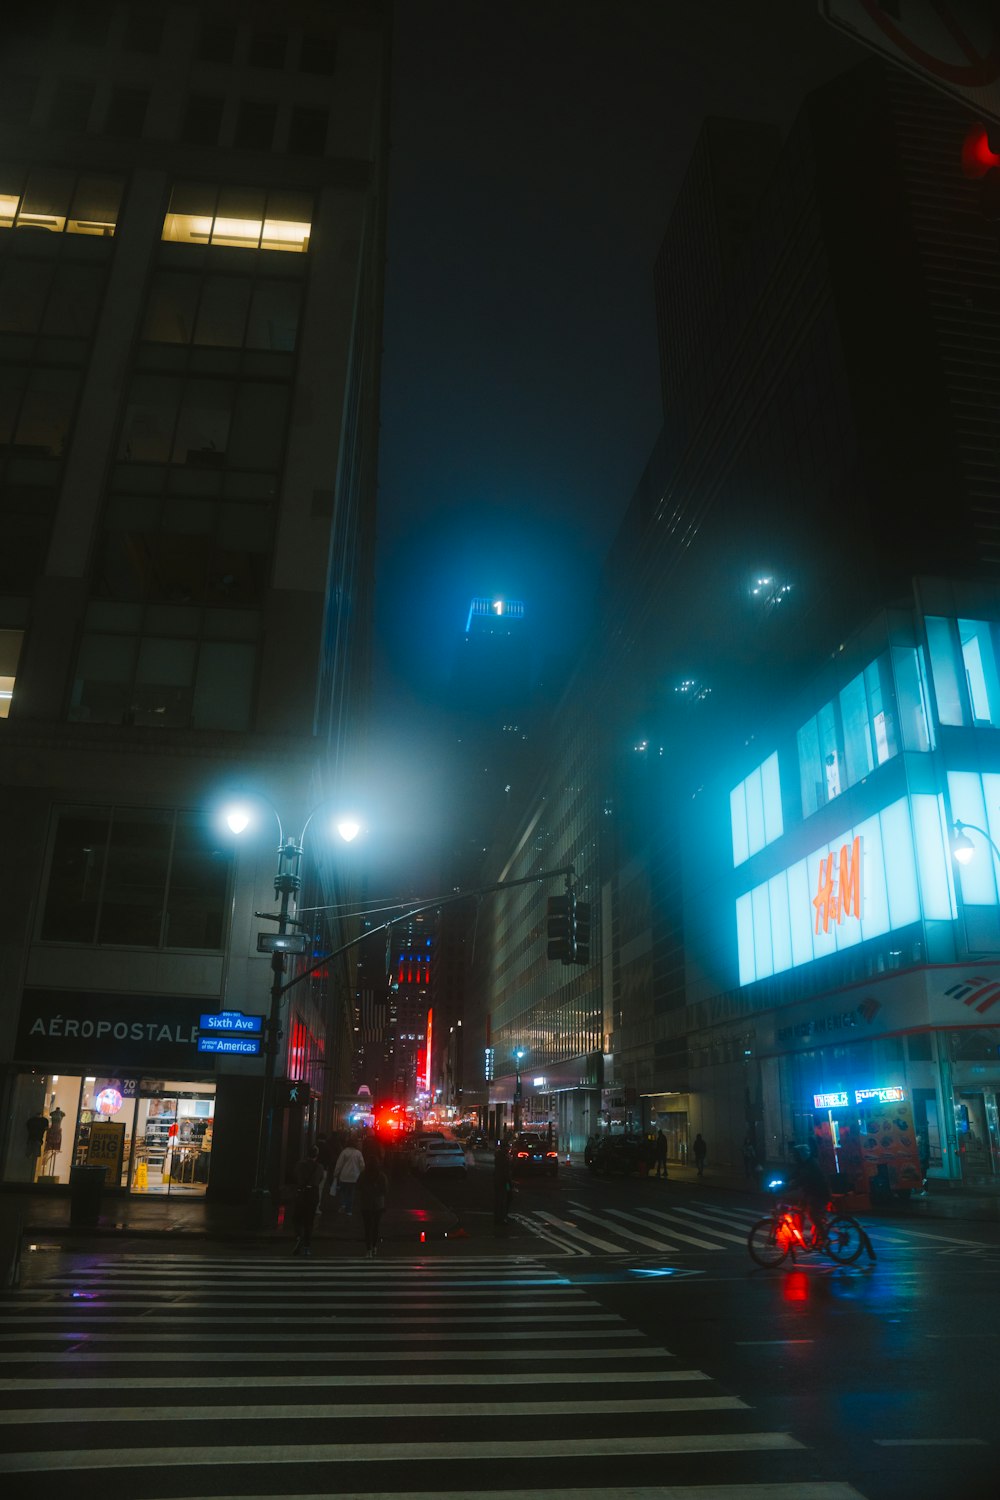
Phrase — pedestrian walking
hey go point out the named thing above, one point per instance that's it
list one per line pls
(699, 1151)
(373, 1189)
(660, 1154)
(350, 1165)
(503, 1185)
(308, 1180)
(749, 1155)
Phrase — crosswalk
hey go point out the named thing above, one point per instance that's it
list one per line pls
(185, 1376)
(580, 1230)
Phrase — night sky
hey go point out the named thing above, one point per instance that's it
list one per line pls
(537, 147)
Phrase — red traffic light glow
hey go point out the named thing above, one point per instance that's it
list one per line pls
(978, 156)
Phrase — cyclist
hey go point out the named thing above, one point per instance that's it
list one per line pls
(812, 1187)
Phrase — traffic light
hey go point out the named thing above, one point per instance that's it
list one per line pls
(580, 943)
(981, 163)
(568, 926)
(558, 916)
(291, 1092)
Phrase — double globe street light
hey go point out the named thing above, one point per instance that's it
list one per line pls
(287, 882)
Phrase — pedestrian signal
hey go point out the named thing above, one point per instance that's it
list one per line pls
(291, 1093)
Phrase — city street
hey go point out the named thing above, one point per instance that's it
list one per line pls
(615, 1339)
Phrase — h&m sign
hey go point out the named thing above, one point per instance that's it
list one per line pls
(838, 888)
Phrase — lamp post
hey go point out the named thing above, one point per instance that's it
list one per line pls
(518, 1056)
(962, 847)
(287, 882)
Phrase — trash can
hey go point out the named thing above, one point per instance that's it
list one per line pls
(85, 1185)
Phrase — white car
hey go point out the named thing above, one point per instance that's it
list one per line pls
(441, 1156)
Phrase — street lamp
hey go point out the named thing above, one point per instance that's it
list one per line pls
(962, 847)
(518, 1055)
(287, 882)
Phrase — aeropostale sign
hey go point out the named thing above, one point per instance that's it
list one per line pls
(838, 886)
(69, 1026)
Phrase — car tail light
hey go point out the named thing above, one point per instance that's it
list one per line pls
(522, 1156)
(552, 1155)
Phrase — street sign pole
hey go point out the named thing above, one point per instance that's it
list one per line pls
(262, 1214)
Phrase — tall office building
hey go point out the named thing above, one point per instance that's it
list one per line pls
(795, 667)
(192, 226)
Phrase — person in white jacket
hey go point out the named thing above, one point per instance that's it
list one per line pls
(349, 1167)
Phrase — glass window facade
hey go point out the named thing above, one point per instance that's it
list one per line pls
(975, 800)
(885, 873)
(755, 810)
(964, 669)
(859, 730)
(136, 877)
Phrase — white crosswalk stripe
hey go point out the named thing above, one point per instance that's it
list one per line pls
(328, 1399)
(667, 1230)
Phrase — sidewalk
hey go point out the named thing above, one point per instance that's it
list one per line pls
(414, 1220)
(943, 1200)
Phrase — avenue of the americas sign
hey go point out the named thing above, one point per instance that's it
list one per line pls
(231, 1032)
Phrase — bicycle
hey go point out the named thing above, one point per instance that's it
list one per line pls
(789, 1231)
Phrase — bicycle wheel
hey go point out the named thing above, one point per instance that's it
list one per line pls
(844, 1239)
(766, 1245)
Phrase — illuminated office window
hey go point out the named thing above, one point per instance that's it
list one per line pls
(59, 202)
(242, 218)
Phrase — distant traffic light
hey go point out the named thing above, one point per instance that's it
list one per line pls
(981, 163)
(558, 918)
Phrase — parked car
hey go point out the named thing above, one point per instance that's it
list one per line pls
(441, 1156)
(621, 1154)
(532, 1153)
(420, 1140)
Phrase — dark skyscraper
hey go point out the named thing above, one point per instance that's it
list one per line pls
(192, 221)
(790, 693)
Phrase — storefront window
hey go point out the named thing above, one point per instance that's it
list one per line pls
(152, 1136)
(173, 1134)
(41, 1128)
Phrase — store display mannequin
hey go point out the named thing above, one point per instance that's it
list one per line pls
(35, 1127)
(53, 1136)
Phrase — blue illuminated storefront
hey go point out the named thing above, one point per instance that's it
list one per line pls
(859, 962)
